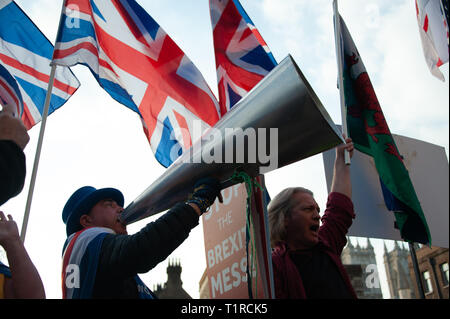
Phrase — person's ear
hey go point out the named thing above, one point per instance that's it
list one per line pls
(85, 221)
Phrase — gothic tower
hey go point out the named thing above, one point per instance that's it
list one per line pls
(364, 257)
(172, 289)
(397, 272)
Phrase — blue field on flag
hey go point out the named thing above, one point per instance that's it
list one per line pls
(26, 54)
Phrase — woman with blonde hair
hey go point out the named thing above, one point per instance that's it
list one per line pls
(306, 253)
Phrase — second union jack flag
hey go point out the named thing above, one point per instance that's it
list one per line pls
(140, 66)
(242, 56)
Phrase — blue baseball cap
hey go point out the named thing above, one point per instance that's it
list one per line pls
(82, 201)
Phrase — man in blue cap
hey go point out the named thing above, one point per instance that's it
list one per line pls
(101, 260)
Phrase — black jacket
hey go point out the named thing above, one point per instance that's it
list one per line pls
(12, 170)
(124, 256)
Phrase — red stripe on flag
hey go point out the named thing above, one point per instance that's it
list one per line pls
(222, 97)
(150, 106)
(36, 74)
(186, 134)
(79, 5)
(247, 32)
(241, 77)
(106, 65)
(130, 22)
(425, 24)
(27, 119)
(63, 86)
(63, 53)
(259, 37)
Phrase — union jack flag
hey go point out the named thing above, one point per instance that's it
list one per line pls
(242, 56)
(10, 92)
(140, 66)
(26, 54)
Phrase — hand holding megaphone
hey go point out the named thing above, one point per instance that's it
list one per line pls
(206, 190)
(12, 128)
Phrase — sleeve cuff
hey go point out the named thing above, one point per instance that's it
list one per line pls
(191, 215)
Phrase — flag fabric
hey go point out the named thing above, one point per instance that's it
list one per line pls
(444, 4)
(82, 250)
(242, 56)
(434, 33)
(140, 66)
(371, 135)
(26, 54)
(10, 92)
(4, 273)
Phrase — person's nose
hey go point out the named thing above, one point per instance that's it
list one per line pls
(120, 211)
(316, 215)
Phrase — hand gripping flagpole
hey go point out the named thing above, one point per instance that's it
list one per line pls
(339, 51)
(38, 152)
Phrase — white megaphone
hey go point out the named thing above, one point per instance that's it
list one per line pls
(281, 115)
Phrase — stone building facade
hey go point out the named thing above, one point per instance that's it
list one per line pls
(397, 272)
(361, 266)
(434, 272)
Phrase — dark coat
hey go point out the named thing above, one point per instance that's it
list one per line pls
(12, 170)
(124, 256)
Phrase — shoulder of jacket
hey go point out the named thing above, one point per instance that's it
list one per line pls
(86, 235)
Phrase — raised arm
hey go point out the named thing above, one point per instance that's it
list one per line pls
(341, 174)
(128, 254)
(25, 282)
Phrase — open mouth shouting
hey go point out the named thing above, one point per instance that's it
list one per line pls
(315, 228)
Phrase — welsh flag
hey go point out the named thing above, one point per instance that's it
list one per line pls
(371, 135)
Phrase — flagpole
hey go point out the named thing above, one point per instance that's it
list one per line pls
(37, 156)
(38, 152)
(412, 251)
(337, 37)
